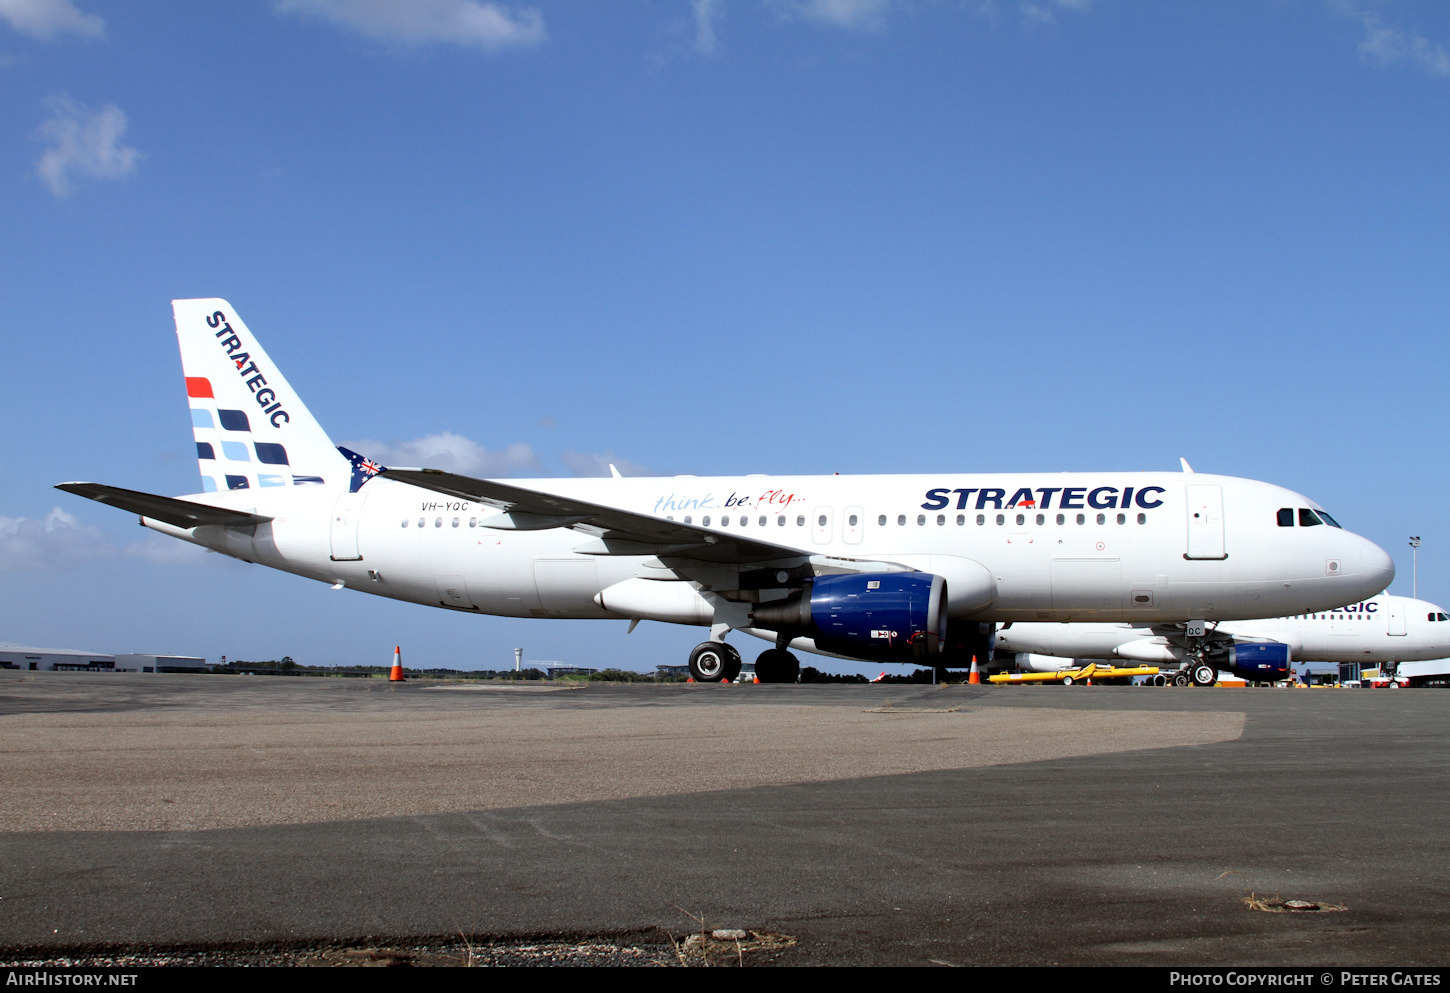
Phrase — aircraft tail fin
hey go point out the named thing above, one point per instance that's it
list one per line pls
(252, 431)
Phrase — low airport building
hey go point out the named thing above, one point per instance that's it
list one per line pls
(160, 663)
(14, 656)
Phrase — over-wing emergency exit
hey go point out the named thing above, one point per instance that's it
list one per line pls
(892, 568)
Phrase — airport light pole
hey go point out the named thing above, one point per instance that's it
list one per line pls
(1415, 545)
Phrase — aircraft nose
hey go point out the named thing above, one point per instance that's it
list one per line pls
(1376, 567)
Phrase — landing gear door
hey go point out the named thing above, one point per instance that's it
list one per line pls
(345, 517)
(1205, 522)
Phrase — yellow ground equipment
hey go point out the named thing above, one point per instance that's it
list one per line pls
(1069, 676)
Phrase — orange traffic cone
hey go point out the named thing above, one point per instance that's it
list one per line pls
(975, 676)
(397, 674)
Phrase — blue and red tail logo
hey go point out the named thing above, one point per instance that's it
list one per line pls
(363, 469)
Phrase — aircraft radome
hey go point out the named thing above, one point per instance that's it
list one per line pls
(1385, 628)
(887, 568)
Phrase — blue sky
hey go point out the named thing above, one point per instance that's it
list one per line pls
(708, 237)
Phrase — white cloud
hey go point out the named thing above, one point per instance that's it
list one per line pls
(474, 23)
(44, 19)
(1388, 45)
(83, 142)
(29, 545)
(452, 453)
(859, 14)
(590, 464)
(707, 13)
(61, 541)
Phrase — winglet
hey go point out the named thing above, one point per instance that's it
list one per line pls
(1184, 463)
(363, 469)
(614, 472)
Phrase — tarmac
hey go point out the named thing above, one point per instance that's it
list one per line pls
(889, 825)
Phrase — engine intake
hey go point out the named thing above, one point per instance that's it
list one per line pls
(890, 615)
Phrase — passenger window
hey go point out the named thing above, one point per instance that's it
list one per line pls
(1102, 518)
(473, 522)
(1021, 519)
(455, 522)
(941, 519)
(438, 523)
(850, 520)
(800, 520)
(881, 521)
(1286, 517)
(705, 521)
(900, 520)
(961, 519)
(1142, 518)
(744, 520)
(1041, 519)
(1307, 518)
(688, 520)
(981, 519)
(1061, 519)
(1082, 518)
(405, 522)
(780, 521)
(920, 520)
(821, 521)
(1122, 518)
(1001, 519)
(725, 521)
(762, 520)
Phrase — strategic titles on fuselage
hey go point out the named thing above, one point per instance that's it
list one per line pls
(1040, 498)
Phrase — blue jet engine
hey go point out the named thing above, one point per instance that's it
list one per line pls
(883, 616)
(1265, 663)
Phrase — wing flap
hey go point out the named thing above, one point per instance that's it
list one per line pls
(170, 510)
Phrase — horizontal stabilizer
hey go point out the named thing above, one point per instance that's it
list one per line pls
(178, 513)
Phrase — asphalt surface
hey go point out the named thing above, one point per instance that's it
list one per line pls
(874, 825)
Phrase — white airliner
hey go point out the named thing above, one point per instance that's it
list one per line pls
(882, 568)
(1381, 629)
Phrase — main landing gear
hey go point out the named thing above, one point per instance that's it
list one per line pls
(714, 662)
(776, 665)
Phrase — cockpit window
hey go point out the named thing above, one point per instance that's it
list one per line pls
(1286, 517)
(1307, 518)
(1328, 520)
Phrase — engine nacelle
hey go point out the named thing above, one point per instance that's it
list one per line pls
(1260, 662)
(882, 616)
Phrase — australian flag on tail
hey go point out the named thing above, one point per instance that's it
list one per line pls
(363, 469)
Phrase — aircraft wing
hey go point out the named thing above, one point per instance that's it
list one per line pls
(178, 513)
(619, 532)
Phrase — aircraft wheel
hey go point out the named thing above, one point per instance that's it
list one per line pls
(776, 665)
(1203, 674)
(714, 662)
(1182, 679)
(1394, 686)
(1066, 680)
